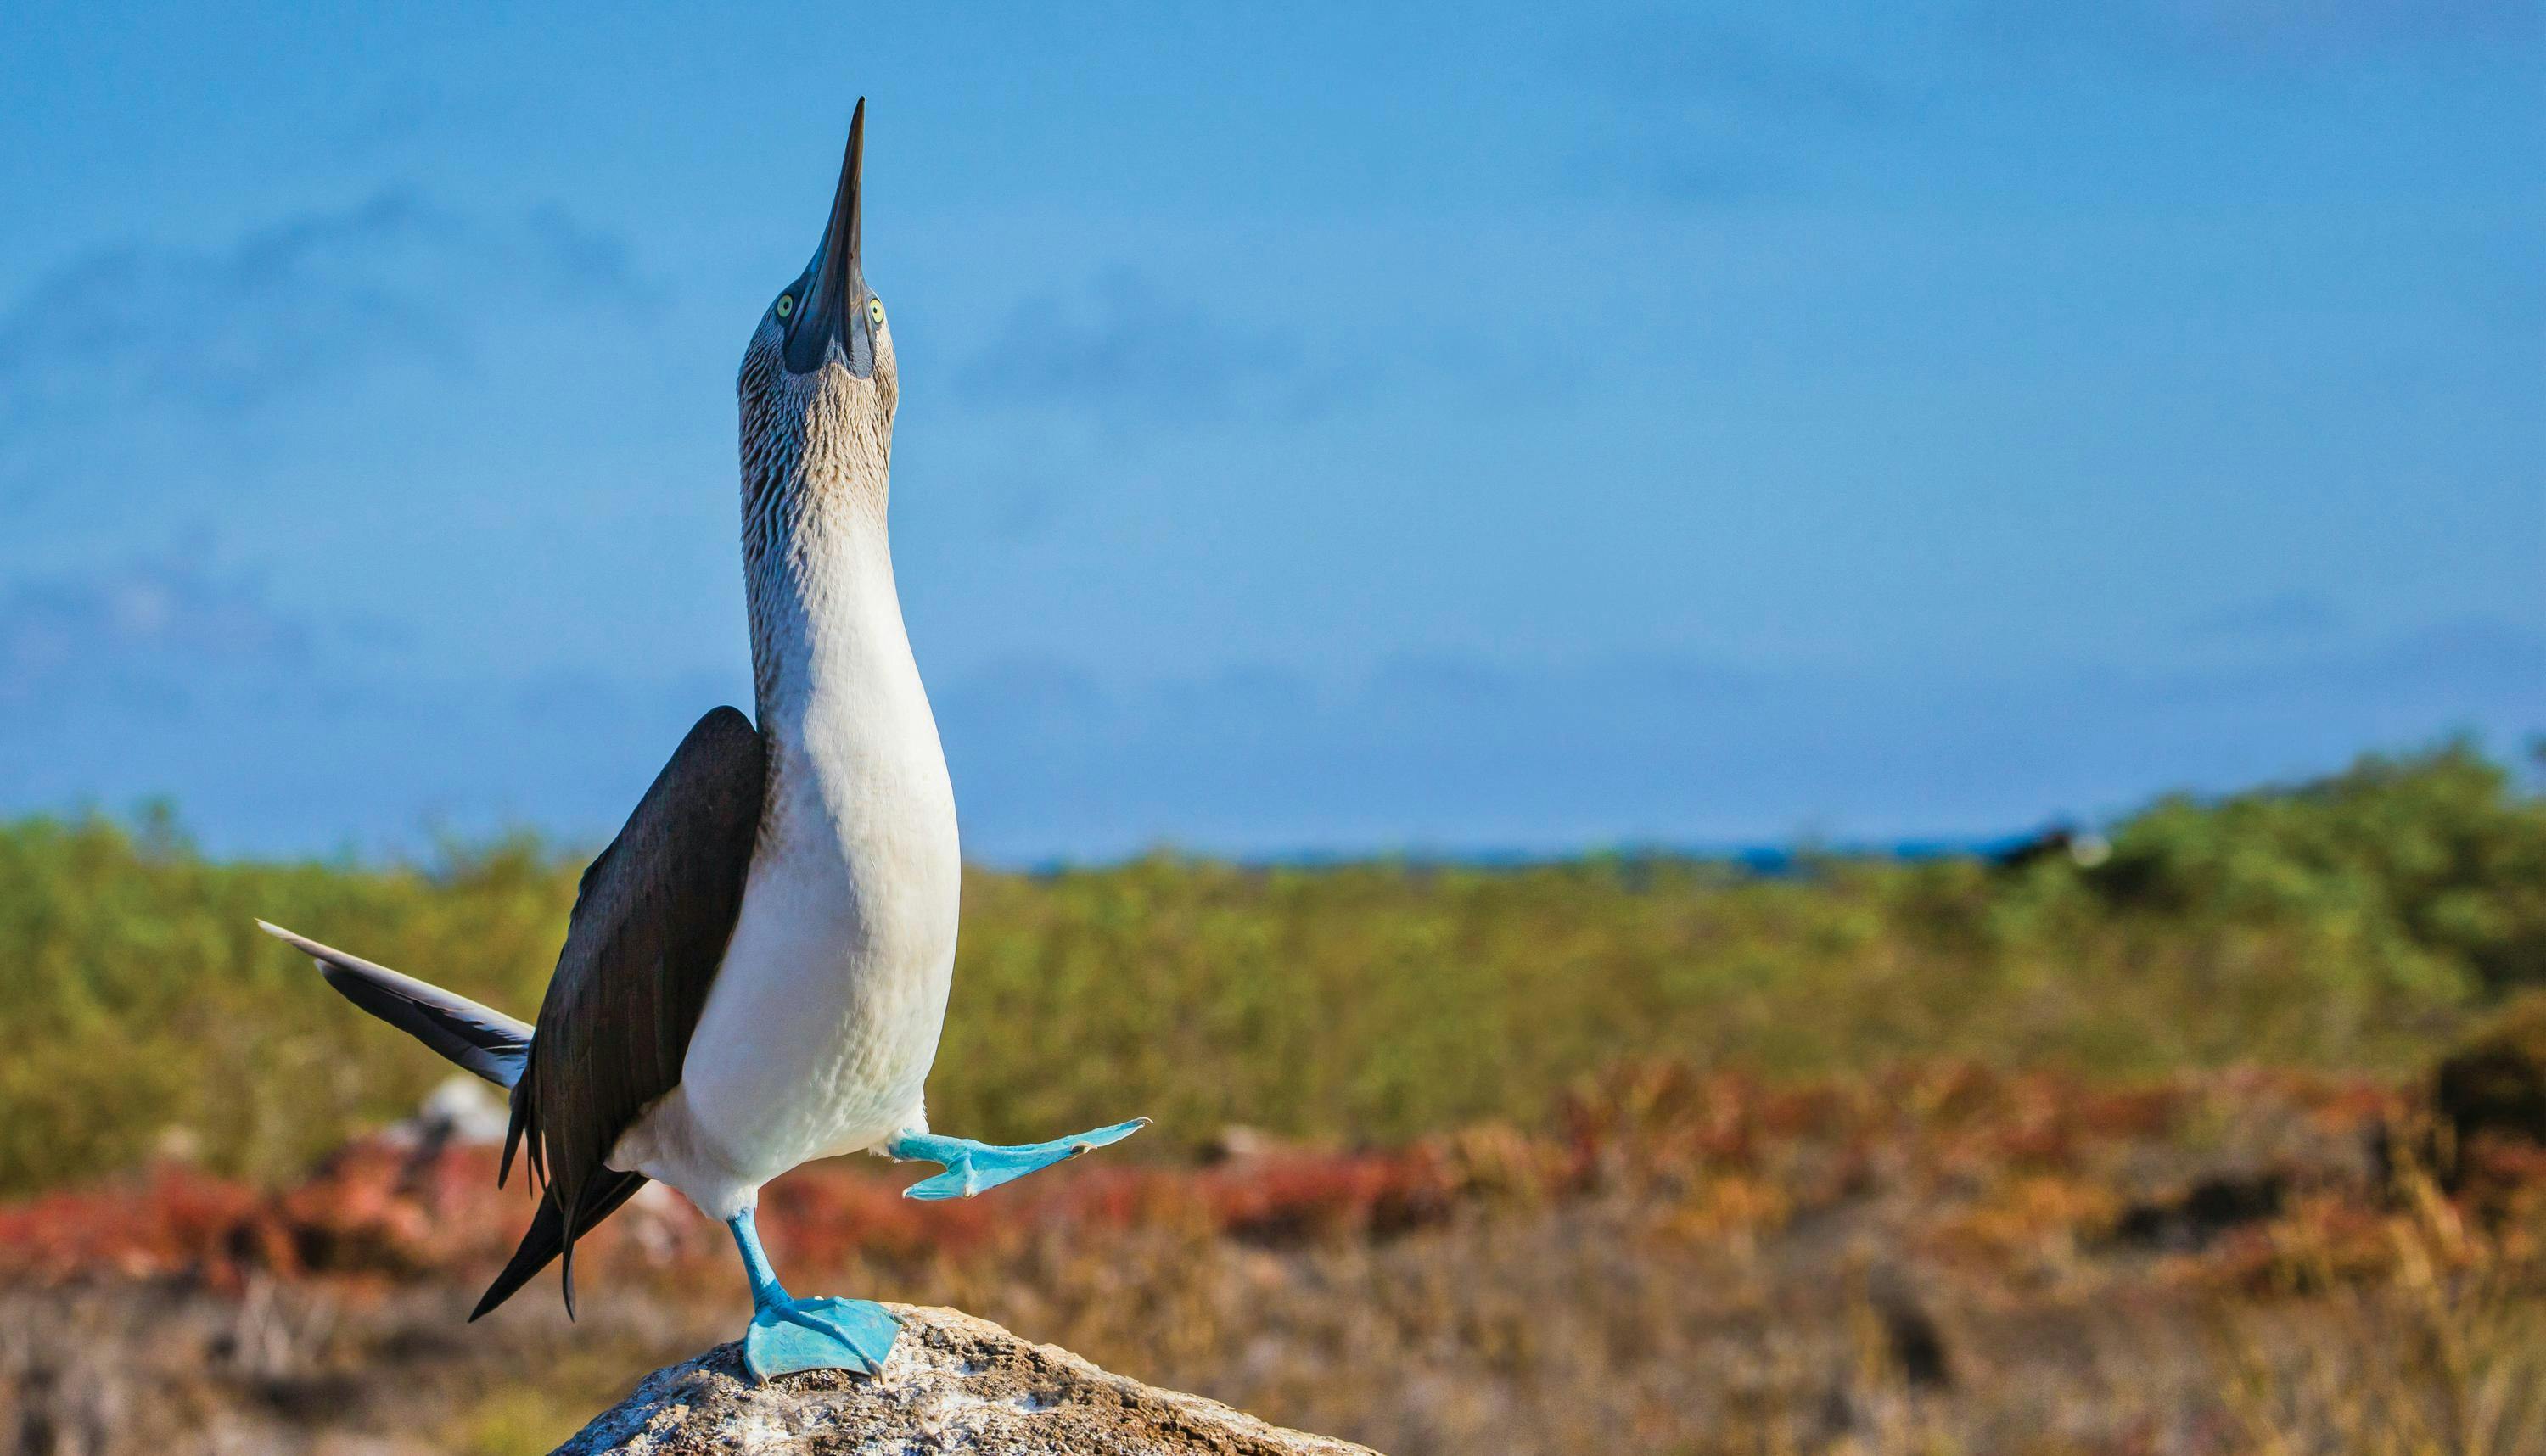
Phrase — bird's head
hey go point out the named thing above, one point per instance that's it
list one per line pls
(819, 386)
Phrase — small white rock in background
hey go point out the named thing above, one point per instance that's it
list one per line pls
(461, 1111)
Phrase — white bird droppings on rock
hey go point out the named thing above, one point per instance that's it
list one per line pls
(954, 1384)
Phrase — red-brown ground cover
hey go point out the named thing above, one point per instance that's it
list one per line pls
(1936, 1256)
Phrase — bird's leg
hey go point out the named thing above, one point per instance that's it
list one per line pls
(789, 1334)
(973, 1166)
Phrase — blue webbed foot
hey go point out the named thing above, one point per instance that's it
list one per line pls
(791, 1334)
(973, 1166)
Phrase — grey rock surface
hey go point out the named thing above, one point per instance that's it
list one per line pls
(954, 1384)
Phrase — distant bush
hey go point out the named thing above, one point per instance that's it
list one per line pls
(2493, 1081)
(2426, 871)
(2349, 922)
(142, 1006)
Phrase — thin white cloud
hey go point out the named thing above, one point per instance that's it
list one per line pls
(157, 678)
(2274, 31)
(124, 339)
(152, 629)
(2283, 618)
(1125, 352)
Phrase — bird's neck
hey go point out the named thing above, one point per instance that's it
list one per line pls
(826, 625)
(857, 778)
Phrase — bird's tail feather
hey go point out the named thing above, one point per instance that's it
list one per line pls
(497, 1048)
(549, 1238)
(477, 1038)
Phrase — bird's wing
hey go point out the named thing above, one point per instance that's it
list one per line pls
(649, 928)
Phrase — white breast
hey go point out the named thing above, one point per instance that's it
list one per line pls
(825, 1017)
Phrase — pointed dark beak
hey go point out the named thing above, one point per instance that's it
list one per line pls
(834, 316)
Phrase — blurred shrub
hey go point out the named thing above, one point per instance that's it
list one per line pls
(2349, 922)
(2426, 871)
(142, 1005)
(2495, 1081)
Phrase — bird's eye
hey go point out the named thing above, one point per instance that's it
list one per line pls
(875, 310)
(786, 305)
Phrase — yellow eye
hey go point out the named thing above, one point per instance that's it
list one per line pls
(786, 305)
(875, 310)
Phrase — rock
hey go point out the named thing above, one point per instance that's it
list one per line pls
(461, 1111)
(954, 1384)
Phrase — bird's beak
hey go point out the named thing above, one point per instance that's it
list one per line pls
(834, 324)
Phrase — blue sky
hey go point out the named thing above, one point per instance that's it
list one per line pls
(1451, 428)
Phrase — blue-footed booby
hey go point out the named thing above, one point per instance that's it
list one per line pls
(756, 970)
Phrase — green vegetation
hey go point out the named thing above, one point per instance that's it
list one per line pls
(2358, 923)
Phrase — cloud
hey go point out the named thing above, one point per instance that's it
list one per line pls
(120, 337)
(1466, 754)
(1128, 355)
(144, 632)
(162, 676)
(2282, 619)
(276, 733)
(2274, 31)
(1697, 112)
(1685, 65)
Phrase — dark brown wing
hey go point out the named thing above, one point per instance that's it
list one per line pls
(649, 928)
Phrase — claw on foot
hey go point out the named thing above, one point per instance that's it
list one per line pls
(971, 1168)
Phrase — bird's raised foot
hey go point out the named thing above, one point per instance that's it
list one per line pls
(791, 1334)
(973, 1166)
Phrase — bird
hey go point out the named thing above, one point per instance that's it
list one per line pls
(756, 970)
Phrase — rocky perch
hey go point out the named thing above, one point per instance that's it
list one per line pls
(954, 1384)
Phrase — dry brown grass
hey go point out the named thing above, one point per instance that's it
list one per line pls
(1935, 1261)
